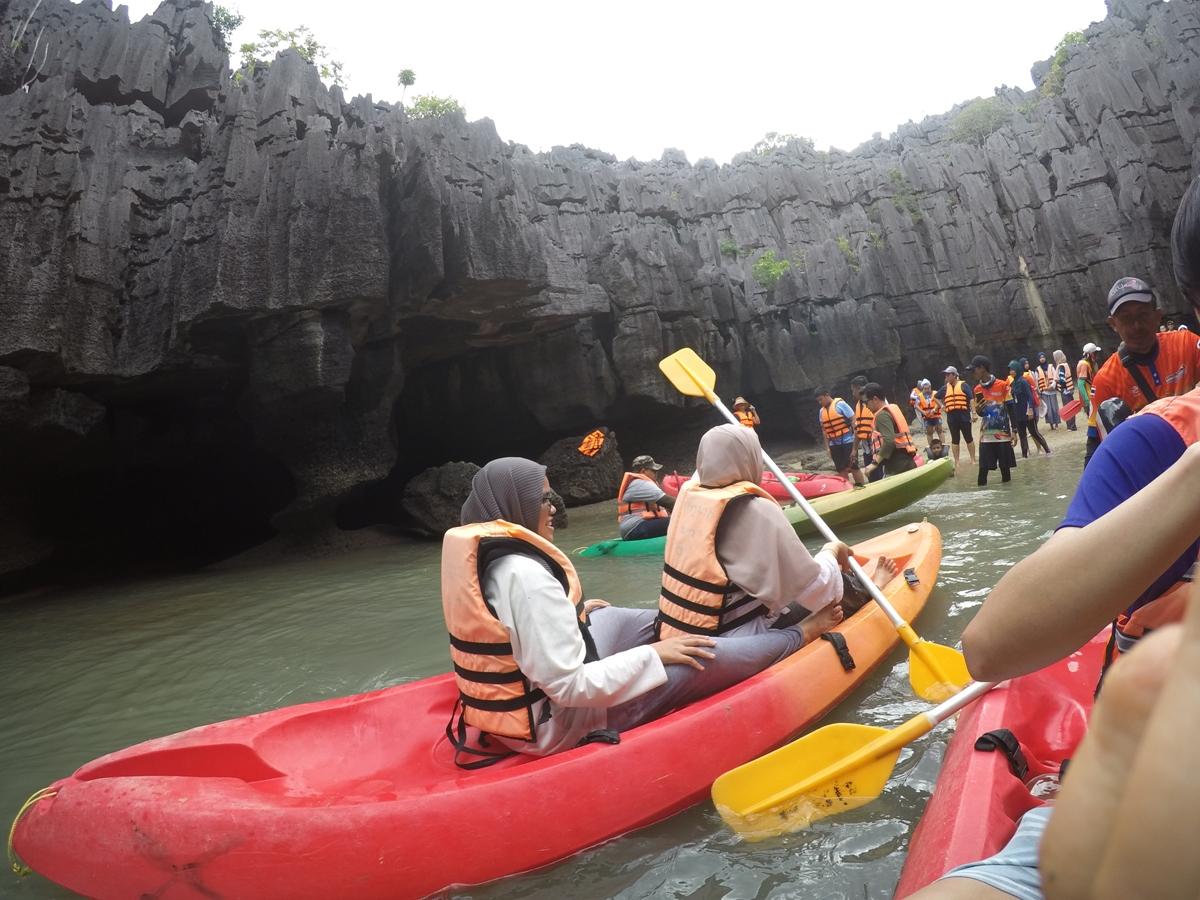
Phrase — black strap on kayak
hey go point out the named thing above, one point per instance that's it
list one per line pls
(600, 736)
(1006, 742)
(843, 651)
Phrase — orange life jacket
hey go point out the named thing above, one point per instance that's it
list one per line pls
(746, 416)
(496, 696)
(1183, 414)
(1085, 370)
(1043, 377)
(912, 397)
(833, 422)
(647, 510)
(929, 407)
(592, 443)
(956, 397)
(864, 421)
(695, 588)
(904, 440)
(1174, 370)
(1033, 388)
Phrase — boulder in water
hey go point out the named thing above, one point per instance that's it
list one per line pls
(584, 479)
(434, 499)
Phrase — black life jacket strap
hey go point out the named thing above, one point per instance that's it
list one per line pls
(696, 583)
(843, 650)
(456, 734)
(1109, 654)
(1006, 742)
(755, 613)
(526, 700)
(1135, 372)
(663, 618)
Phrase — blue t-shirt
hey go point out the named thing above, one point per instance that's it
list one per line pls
(842, 408)
(1134, 454)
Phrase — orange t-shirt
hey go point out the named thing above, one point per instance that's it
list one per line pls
(1173, 371)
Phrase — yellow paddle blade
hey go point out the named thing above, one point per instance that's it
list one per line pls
(690, 375)
(821, 774)
(936, 672)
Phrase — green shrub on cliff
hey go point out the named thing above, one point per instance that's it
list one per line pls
(1052, 84)
(843, 244)
(769, 268)
(406, 79)
(225, 22)
(729, 248)
(773, 140)
(259, 54)
(431, 106)
(978, 119)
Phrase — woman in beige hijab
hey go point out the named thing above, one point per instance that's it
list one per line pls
(803, 596)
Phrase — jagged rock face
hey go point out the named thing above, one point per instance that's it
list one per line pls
(257, 287)
(434, 499)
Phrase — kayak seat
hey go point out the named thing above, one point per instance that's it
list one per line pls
(204, 761)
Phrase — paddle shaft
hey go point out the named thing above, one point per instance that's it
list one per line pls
(886, 743)
(903, 627)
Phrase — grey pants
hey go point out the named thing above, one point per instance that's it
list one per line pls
(737, 658)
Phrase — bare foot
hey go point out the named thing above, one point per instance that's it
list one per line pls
(885, 571)
(812, 627)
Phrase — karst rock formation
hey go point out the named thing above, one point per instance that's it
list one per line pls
(237, 304)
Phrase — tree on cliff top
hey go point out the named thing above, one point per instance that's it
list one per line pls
(259, 54)
(1052, 84)
(406, 79)
(225, 22)
(978, 119)
(431, 106)
(773, 140)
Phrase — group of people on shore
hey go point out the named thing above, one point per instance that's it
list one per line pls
(540, 669)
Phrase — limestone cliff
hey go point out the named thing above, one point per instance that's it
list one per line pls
(235, 304)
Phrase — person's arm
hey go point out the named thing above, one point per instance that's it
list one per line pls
(1092, 573)
(549, 648)
(886, 427)
(847, 415)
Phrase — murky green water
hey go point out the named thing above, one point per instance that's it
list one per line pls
(85, 672)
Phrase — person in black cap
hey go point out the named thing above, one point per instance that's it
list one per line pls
(993, 402)
(643, 508)
(1149, 364)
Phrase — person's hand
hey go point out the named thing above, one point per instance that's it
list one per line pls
(1013, 440)
(869, 470)
(841, 552)
(1029, 414)
(687, 650)
(1129, 794)
(590, 606)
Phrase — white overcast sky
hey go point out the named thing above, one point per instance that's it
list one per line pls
(633, 78)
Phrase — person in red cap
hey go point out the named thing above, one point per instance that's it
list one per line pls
(1148, 365)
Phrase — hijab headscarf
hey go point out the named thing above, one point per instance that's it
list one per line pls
(509, 488)
(1060, 358)
(755, 542)
(727, 454)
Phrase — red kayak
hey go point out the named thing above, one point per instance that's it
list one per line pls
(811, 486)
(1071, 409)
(978, 799)
(359, 797)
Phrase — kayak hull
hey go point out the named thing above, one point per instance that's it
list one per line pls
(359, 797)
(810, 486)
(852, 507)
(978, 801)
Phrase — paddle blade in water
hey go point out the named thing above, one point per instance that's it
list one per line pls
(690, 375)
(815, 776)
(936, 672)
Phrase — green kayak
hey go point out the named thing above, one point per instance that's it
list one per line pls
(847, 508)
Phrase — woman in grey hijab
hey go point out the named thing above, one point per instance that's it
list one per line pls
(581, 689)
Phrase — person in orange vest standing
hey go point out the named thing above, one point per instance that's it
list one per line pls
(894, 449)
(864, 426)
(746, 413)
(993, 402)
(930, 409)
(837, 425)
(955, 400)
(643, 508)
(1149, 364)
